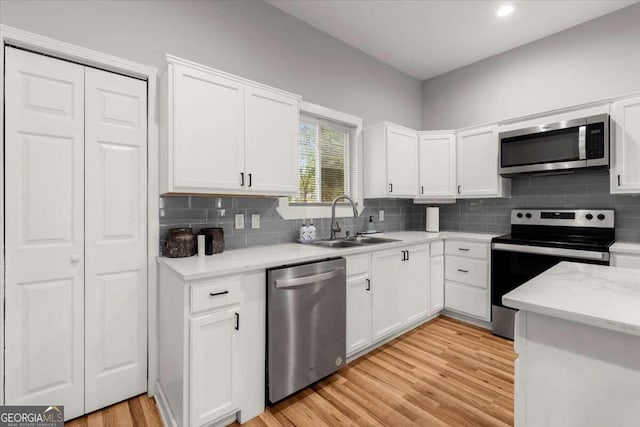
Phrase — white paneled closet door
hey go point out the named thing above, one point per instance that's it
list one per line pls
(44, 232)
(115, 236)
(75, 239)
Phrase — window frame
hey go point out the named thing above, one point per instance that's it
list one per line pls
(323, 210)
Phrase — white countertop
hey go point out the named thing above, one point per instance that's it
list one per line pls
(256, 258)
(597, 295)
(632, 248)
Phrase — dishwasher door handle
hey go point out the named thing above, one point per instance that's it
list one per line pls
(308, 280)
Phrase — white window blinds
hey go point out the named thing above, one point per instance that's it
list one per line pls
(328, 162)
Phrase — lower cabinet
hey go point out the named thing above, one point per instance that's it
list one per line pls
(212, 348)
(436, 284)
(400, 285)
(467, 273)
(358, 313)
(214, 358)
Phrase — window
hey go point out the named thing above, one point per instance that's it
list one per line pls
(329, 163)
(327, 158)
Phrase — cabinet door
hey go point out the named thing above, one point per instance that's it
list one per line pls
(437, 284)
(206, 131)
(44, 240)
(271, 147)
(437, 165)
(386, 282)
(115, 238)
(625, 144)
(477, 158)
(402, 163)
(213, 371)
(358, 313)
(415, 284)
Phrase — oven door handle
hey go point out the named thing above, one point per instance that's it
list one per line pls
(541, 250)
(308, 280)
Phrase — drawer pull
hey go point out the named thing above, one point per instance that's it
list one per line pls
(368, 284)
(237, 327)
(218, 293)
(463, 249)
(463, 271)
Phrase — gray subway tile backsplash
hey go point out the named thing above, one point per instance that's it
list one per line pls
(581, 190)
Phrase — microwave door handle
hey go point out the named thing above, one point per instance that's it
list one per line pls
(582, 142)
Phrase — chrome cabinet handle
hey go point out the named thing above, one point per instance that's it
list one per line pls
(218, 293)
(463, 271)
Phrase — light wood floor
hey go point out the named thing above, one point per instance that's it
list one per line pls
(444, 373)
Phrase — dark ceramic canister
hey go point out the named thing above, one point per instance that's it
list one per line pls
(180, 243)
(213, 240)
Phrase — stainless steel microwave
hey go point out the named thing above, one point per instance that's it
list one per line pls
(556, 147)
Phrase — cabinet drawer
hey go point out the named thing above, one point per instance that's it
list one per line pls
(358, 264)
(437, 248)
(467, 249)
(466, 270)
(466, 299)
(210, 295)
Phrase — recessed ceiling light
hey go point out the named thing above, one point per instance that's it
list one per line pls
(505, 10)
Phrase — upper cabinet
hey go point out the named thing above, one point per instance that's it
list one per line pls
(437, 165)
(390, 161)
(625, 146)
(477, 164)
(219, 129)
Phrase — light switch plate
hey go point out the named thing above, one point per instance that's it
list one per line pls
(239, 221)
(381, 215)
(255, 221)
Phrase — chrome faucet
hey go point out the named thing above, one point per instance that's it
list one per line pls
(335, 227)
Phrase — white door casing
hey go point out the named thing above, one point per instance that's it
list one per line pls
(44, 237)
(115, 238)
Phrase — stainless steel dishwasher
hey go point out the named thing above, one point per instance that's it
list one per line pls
(306, 325)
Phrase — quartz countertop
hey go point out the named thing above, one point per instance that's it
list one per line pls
(259, 257)
(632, 248)
(597, 295)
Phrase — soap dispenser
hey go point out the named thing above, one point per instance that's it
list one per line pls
(304, 232)
(312, 231)
(371, 227)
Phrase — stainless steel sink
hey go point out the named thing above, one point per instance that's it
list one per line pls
(340, 243)
(351, 242)
(368, 240)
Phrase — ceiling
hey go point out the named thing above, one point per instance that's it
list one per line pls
(428, 38)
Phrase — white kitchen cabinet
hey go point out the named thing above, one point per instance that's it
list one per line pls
(358, 303)
(386, 283)
(625, 146)
(390, 161)
(218, 129)
(437, 165)
(75, 242)
(625, 254)
(436, 283)
(214, 365)
(212, 347)
(477, 164)
(467, 277)
(415, 284)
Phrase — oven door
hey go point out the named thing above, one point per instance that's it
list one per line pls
(513, 265)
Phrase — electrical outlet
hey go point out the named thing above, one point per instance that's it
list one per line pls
(255, 221)
(381, 215)
(239, 221)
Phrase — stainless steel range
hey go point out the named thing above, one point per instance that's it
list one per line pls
(540, 239)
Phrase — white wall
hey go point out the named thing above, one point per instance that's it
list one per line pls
(593, 61)
(248, 38)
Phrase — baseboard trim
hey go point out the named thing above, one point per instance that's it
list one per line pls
(466, 319)
(166, 415)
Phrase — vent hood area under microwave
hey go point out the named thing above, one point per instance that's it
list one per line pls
(561, 147)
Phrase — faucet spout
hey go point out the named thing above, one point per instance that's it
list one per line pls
(335, 227)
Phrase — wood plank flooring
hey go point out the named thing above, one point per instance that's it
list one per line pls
(443, 373)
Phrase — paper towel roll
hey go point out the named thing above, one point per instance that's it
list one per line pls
(433, 219)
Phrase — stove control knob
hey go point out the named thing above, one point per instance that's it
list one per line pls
(589, 217)
(528, 215)
(601, 217)
(519, 215)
